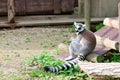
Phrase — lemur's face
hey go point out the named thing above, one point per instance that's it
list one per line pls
(79, 27)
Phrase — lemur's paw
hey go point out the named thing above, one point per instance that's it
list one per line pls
(69, 58)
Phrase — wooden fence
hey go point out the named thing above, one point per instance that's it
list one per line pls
(40, 7)
(86, 8)
(100, 8)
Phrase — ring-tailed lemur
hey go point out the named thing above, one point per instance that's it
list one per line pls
(79, 48)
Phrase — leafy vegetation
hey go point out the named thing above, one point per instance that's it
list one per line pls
(73, 27)
(45, 59)
(99, 26)
(111, 56)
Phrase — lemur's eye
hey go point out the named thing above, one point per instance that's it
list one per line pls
(79, 28)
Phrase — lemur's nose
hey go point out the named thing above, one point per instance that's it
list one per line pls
(76, 30)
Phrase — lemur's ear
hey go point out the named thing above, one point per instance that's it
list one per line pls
(75, 23)
(84, 25)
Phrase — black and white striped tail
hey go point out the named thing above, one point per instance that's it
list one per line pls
(66, 66)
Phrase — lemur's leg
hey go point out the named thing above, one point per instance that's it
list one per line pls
(72, 54)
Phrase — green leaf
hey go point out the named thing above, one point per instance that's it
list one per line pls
(73, 27)
(99, 26)
(116, 57)
(35, 73)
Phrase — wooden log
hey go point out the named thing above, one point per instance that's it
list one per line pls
(87, 13)
(107, 42)
(97, 53)
(111, 22)
(11, 11)
(91, 57)
(101, 71)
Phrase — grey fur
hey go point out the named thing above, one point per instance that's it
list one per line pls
(79, 48)
(83, 44)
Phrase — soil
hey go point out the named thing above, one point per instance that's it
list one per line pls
(16, 45)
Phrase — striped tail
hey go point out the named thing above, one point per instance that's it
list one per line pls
(66, 66)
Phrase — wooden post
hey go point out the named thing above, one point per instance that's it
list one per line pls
(87, 13)
(11, 11)
(119, 23)
(80, 8)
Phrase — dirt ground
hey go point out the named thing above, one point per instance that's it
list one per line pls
(16, 45)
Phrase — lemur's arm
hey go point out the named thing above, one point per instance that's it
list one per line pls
(78, 38)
